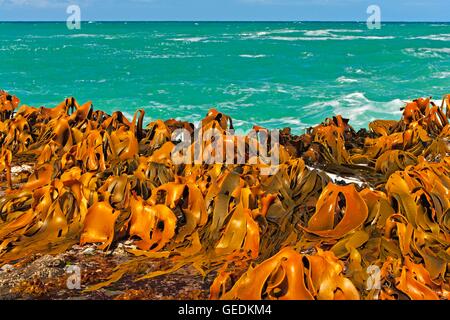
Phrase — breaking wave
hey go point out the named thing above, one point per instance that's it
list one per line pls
(252, 56)
(190, 39)
(435, 37)
(335, 37)
(359, 109)
(344, 79)
(426, 53)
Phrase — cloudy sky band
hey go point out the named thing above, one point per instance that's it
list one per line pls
(225, 10)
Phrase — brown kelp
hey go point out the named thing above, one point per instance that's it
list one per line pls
(294, 234)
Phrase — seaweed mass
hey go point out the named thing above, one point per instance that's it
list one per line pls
(346, 215)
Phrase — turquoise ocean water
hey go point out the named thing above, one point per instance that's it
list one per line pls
(270, 74)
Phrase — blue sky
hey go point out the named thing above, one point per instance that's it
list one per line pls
(299, 10)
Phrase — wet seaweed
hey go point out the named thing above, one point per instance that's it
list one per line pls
(296, 234)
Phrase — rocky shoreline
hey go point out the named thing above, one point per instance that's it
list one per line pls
(45, 277)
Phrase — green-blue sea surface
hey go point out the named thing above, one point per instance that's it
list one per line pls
(271, 74)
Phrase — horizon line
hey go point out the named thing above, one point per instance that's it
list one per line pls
(228, 21)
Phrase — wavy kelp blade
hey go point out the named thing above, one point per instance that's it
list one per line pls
(99, 225)
(337, 201)
(327, 279)
(280, 277)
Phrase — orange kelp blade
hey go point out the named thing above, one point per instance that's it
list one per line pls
(5, 164)
(242, 232)
(153, 224)
(327, 279)
(280, 277)
(415, 281)
(99, 224)
(334, 201)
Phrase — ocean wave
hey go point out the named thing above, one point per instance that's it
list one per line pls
(269, 32)
(76, 35)
(312, 35)
(190, 39)
(282, 122)
(252, 56)
(335, 37)
(344, 79)
(329, 32)
(355, 70)
(441, 75)
(306, 55)
(274, 88)
(81, 35)
(434, 37)
(359, 109)
(15, 47)
(86, 35)
(127, 115)
(168, 56)
(317, 33)
(308, 33)
(235, 90)
(90, 81)
(425, 53)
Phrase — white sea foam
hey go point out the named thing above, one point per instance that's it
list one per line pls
(306, 55)
(190, 39)
(128, 115)
(90, 81)
(313, 35)
(359, 109)
(317, 33)
(344, 79)
(15, 47)
(435, 37)
(441, 75)
(269, 32)
(308, 33)
(336, 37)
(75, 36)
(330, 32)
(355, 70)
(425, 53)
(237, 90)
(252, 56)
(85, 35)
(282, 122)
(168, 56)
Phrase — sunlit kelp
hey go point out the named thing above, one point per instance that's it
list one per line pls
(294, 234)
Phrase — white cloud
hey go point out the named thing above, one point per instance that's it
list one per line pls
(36, 3)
